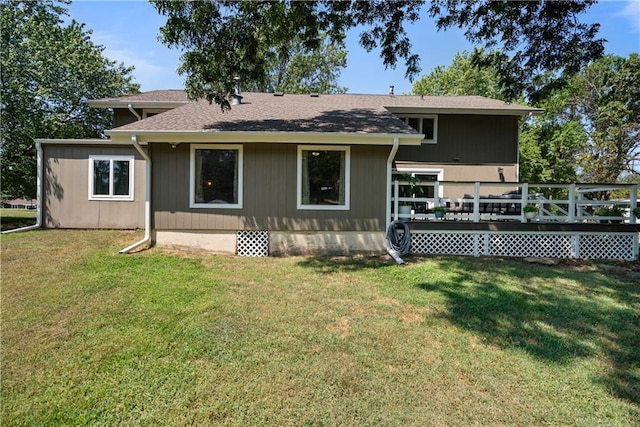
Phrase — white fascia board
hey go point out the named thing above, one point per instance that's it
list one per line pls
(96, 141)
(466, 111)
(268, 137)
(137, 104)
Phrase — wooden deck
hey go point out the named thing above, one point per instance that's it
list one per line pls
(578, 225)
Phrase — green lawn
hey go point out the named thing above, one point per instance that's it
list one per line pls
(174, 338)
(16, 218)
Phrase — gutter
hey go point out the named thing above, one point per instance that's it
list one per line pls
(39, 166)
(208, 136)
(147, 199)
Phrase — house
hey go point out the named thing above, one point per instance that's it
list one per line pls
(278, 173)
(20, 203)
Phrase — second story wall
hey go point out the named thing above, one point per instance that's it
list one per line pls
(469, 139)
(122, 116)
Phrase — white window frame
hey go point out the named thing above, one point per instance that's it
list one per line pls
(425, 171)
(405, 118)
(347, 173)
(111, 196)
(192, 176)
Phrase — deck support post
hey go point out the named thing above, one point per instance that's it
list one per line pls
(572, 203)
(633, 202)
(476, 202)
(523, 201)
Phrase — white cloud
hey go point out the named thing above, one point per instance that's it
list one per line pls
(632, 12)
(152, 70)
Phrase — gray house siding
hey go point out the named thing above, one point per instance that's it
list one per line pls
(469, 139)
(122, 116)
(66, 201)
(269, 200)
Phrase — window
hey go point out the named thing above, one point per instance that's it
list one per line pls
(216, 176)
(323, 177)
(111, 178)
(425, 124)
(425, 175)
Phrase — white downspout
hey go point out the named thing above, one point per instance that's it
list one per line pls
(147, 199)
(134, 112)
(39, 169)
(390, 245)
(392, 155)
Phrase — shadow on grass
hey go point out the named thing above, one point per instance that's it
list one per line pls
(11, 222)
(330, 265)
(555, 314)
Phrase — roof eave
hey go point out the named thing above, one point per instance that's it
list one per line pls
(135, 104)
(268, 137)
(83, 142)
(469, 111)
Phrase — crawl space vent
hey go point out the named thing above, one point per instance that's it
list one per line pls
(253, 243)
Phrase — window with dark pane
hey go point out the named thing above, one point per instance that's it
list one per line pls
(101, 172)
(427, 128)
(216, 179)
(323, 174)
(121, 177)
(414, 122)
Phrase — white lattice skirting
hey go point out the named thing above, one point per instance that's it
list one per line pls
(619, 246)
(253, 243)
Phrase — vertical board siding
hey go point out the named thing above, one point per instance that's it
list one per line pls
(65, 198)
(122, 116)
(269, 196)
(469, 139)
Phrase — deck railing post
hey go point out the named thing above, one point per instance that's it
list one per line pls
(633, 202)
(523, 201)
(579, 208)
(476, 202)
(436, 194)
(396, 186)
(572, 203)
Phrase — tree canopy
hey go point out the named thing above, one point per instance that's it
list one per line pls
(462, 77)
(589, 130)
(605, 98)
(294, 68)
(49, 70)
(224, 39)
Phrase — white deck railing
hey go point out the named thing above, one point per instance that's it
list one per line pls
(499, 201)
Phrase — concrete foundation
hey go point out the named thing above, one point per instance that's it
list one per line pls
(219, 241)
(281, 243)
(326, 243)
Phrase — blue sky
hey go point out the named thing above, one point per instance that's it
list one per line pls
(129, 32)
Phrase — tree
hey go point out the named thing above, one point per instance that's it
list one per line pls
(550, 144)
(606, 99)
(292, 68)
(48, 73)
(462, 77)
(528, 40)
(227, 39)
(590, 130)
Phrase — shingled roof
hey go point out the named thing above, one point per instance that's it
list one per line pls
(171, 97)
(345, 113)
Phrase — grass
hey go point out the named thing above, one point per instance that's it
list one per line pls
(175, 338)
(16, 218)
